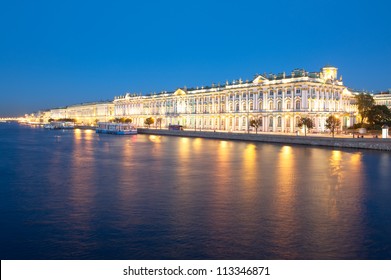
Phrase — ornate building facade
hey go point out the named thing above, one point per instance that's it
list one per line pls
(383, 98)
(278, 100)
(86, 113)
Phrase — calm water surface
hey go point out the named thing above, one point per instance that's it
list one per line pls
(79, 195)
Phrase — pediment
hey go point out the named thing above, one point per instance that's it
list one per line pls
(179, 91)
(259, 79)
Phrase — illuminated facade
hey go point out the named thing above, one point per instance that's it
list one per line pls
(278, 100)
(383, 98)
(86, 113)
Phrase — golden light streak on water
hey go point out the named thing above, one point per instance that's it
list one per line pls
(284, 199)
(155, 138)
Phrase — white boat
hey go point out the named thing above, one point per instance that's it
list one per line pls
(60, 125)
(116, 128)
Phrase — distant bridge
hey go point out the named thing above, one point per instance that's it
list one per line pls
(9, 119)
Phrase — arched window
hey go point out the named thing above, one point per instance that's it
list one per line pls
(237, 107)
(251, 106)
(271, 122)
(279, 106)
(271, 105)
(288, 105)
(279, 121)
(297, 104)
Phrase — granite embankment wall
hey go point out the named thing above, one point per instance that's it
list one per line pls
(359, 143)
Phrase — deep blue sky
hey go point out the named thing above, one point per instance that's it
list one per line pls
(57, 53)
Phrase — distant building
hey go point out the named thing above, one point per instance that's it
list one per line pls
(37, 117)
(383, 98)
(85, 113)
(278, 100)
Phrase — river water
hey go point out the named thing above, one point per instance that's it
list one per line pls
(76, 194)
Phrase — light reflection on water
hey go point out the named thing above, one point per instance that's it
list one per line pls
(76, 194)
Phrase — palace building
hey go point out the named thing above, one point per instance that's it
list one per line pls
(278, 100)
(85, 113)
(383, 98)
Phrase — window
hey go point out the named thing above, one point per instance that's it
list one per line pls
(279, 106)
(251, 106)
(237, 107)
(279, 121)
(280, 92)
(271, 105)
(288, 105)
(298, 105)
(271, 122)
(298, 90)
(244, 107)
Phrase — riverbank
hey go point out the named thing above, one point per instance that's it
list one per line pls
(310, 140)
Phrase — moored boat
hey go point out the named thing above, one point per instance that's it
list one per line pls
(60, 125)
(116, 128)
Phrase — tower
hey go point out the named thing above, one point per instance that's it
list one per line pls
(329, 72)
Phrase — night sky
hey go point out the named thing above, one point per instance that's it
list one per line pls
(58, 53)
